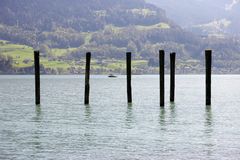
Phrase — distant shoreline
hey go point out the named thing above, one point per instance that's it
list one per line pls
(114, 74)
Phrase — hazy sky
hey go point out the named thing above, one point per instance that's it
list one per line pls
(231, 5)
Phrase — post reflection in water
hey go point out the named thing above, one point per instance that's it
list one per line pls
(208, 131)
(88, 112)
(129, 116)
(208, 121)
(166, 120)
(162, 117)
(172, 112)
(38, 112)
(36, 133)
(89, 121)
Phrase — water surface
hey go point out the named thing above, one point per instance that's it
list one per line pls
(64, 128)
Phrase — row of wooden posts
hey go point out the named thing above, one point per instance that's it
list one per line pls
(208, 59)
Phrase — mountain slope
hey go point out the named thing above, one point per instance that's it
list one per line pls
(42, 21)
(64, 30)
(191, 13)
(80, 15)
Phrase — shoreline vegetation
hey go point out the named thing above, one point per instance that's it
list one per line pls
(16, 59)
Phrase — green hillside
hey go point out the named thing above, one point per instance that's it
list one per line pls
(64, 30)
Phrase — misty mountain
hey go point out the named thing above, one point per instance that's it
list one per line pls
(218, 15)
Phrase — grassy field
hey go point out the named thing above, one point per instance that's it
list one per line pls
(58, 52)
(139, 27)
(156, 26)
(19, 53)
(22, 56)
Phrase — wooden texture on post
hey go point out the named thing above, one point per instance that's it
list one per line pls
(87, 78)
(172, 76)
(208, 59)
(37, 77)
(161, 73)
(129, 77)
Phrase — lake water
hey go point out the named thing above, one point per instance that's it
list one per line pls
(64, 128)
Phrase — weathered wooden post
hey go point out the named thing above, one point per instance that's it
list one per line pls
(172, 76)
(208, 59)
(161, 73)
(129, 85)
(87, 77)
(37, 77)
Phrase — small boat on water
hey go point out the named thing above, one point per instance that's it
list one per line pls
(112, 76)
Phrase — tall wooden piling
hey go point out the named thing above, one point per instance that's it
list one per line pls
(208, 59)
(172, 76)
(161, 73)
(37, 77)
(129, 77)
(87, 78)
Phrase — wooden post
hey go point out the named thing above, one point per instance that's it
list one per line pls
(161, 73)
(87, 77)
(37, 77)
(129, 85)
(172, 76)
(208, 58)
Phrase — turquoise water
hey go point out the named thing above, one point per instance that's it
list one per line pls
(64, 128)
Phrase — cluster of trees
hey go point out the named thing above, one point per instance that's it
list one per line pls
(134, 39)
(105, 51)
(18, 35)
(5, 64)
(56, 39)
(61, 39)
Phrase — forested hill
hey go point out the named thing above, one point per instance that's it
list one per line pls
(80, 15)
(64, 30)
(41, 21)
